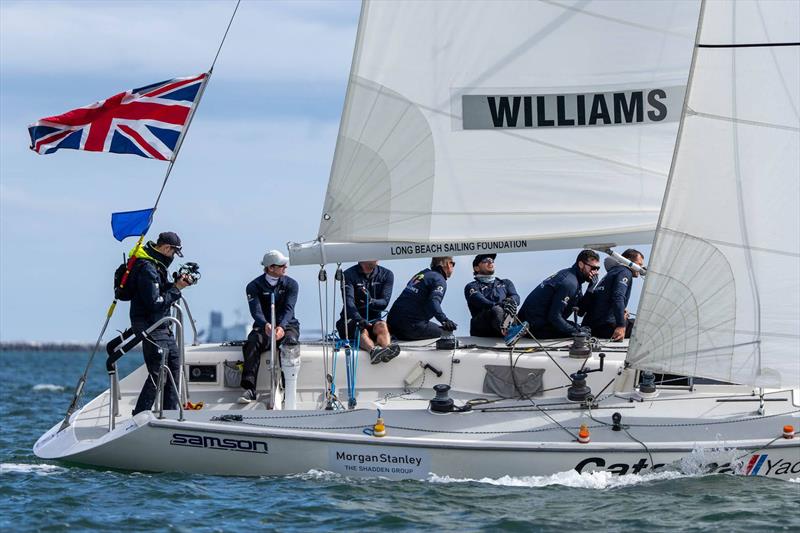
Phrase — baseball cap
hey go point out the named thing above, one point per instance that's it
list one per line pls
(274, 257)
(171, 238)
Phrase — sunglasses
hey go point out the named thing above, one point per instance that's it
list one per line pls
(487, 260)
(452, 263)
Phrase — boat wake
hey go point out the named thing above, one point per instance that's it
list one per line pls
(31, 468)
(48, 387)
(586, 480)
(573, 479)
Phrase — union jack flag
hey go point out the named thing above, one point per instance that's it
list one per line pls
(147, 121)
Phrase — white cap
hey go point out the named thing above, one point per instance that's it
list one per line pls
(274, 257)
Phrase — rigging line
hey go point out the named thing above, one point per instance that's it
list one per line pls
(620, 21)
(625, 429)
(788, 95)
(733, 120)
(743, 228)
(748, 45)
(224, 36)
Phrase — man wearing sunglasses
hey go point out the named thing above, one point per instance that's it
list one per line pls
(152, 297)
(492, 301)
(287, 328)
(421, 300)
(606, 312)
(548, 307)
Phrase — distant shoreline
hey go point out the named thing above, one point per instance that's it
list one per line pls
(33, 346)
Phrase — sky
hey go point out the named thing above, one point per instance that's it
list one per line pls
(250, 177)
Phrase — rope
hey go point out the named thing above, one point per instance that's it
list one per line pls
(224, 36)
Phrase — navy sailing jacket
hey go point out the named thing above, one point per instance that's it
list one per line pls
(421, 300)
(361, 290)
(610, 298)
(552, 301)
(482, 296)
(153, 294)
(259, 294)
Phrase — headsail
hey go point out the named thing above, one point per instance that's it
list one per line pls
(505, 125)
(722, 295)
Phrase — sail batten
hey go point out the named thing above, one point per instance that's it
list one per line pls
(731, 206)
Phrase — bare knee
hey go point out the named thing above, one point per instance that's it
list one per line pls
(380, 328)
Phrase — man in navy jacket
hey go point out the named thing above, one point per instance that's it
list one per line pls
(368, 289)
(153, 296)
(492, 301)
(606, 312)
(421, 300)
(287, 328)
(549, 305)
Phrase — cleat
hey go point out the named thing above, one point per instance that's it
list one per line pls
(248, 396)
(391, 351)
(515, 333)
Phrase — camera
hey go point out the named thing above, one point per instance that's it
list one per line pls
(188, 271)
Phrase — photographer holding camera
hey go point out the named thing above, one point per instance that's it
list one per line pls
(153, 296)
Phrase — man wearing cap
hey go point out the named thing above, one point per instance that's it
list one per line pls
(492, 301)
(606, 312)
(287, 328)
(368, 289)
(549, 305)
(152, 297)
(421, 300)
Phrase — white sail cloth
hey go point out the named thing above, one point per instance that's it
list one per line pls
(467, 121)
(722, 295)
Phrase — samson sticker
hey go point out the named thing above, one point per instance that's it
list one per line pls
(390, 462)
(218, 443)
(613, 108)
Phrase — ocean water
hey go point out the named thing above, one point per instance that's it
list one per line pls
(37, 495)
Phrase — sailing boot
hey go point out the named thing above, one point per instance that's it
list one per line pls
(376, 355)
(515, 332)
(392, 351)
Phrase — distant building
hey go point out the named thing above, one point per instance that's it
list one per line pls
(218, 332)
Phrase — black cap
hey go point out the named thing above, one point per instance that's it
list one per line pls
(171, 238)
(481, 257)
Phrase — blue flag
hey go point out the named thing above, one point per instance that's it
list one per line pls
(130, 223)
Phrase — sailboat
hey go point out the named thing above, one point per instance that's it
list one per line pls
(474, 127)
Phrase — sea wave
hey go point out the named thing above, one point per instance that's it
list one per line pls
(28, 468)
(48, 387)
(571, 478)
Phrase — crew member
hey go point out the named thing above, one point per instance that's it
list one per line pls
(606, 313)
(368, 289)
(421, 300)
(492, 301)
(287, 328)
(152, 297)
(549, 305)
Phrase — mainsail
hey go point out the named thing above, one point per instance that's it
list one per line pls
(500, 126)
(722, 295)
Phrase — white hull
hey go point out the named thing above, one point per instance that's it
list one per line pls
(680, 428)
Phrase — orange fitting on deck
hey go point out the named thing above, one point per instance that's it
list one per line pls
(788, 432)
(379, 429)
(583, 434)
